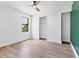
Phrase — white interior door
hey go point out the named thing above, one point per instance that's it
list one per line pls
(65, 27)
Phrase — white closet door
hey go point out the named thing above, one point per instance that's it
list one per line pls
(65, 26)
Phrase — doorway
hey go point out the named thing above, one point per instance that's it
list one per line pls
(65, 27)
(42, 28)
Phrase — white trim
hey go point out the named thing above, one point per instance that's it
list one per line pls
(76, 55)
(13, 42)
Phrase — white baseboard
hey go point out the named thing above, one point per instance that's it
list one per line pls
(12, 42)
(76, 55)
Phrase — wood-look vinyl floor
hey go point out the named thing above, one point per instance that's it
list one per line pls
(36, 49)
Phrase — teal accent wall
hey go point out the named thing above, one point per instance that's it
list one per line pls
(75, 26)
(75, 6)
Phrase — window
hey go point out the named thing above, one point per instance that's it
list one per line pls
(25, 24)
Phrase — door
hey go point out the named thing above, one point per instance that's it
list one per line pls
(65, 27)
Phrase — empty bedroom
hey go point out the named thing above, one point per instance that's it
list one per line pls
(39, 29)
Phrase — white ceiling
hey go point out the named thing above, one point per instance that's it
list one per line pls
(45, 7)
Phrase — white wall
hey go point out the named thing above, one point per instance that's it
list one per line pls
(42, 27)
(54, 20)
(54, 27)
(47, 7)
(10, 26)
(35, 26)
(65, 19)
